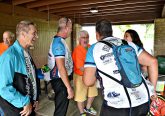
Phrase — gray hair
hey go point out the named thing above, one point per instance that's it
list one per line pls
(11, 35)
(23, 26)
(8, 37)
(63, 22)
(82, 32)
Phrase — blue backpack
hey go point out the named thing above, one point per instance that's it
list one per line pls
(127, 63)
(129, 68)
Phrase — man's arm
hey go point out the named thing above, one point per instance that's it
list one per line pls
(7, 91)
(151, 62)
(64, 76)
(89, 77)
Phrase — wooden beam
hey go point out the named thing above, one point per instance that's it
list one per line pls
(124, 22)
(20, 11)
(106, 6)
(163, 11)
(129, 22)
(94, 3)
(112, 11)
(17, 2)
(76, 3)
(118, 13)
(123, 18)
(46, 2)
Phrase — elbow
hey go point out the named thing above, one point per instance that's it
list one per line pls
(154, 62)
(87, 82)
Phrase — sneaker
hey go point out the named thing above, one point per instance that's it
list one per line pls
(90, 111)
(83, 114)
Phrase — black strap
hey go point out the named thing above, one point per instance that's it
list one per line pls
(111, 44)
(110, 76)
(107, 43)
(129, 99)
(147, 92)
(126, 91)
(124, 42)
(161, 97)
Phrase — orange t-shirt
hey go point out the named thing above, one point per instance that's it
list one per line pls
(3, 48)
(78, 56)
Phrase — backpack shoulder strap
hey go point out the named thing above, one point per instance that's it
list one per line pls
(107, 75)
(161, 97)
(107, 43)
(124, 42)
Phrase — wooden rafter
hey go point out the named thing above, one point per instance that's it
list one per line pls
(153, 10)
(77, 3)
(119, 11)
(148, 17)
(17, 2)
(46, 2)
(95, 3)
(107, 7)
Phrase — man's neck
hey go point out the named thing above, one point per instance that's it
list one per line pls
(22, 43)
(61, 34)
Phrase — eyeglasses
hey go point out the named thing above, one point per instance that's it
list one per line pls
(85, 37)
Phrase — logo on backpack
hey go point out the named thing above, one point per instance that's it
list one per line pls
(127, 63)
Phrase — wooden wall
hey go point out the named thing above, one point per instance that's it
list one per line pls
(159, 41)
(46, 29)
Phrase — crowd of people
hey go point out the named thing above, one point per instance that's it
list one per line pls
(19, 88)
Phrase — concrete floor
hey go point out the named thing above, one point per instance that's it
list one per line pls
(46, 106)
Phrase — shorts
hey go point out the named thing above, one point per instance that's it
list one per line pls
(141, 110)
(82, 91)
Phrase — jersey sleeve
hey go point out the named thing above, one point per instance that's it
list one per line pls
(58, 48)
(137, 48)
(89, 61)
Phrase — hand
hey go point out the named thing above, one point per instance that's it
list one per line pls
(70, 93)
(154, 97)
(26, 110)
(35, 105)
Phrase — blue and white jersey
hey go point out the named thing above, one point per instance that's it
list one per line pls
(59, 49)
(101, 56)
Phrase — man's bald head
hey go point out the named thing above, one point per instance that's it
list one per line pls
(8, 38)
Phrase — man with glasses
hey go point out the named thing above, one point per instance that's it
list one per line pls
(82, 92)
(61, 65)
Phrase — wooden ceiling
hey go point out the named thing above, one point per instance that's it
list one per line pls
(118, 11)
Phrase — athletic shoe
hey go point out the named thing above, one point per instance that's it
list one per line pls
(90, 111)
(83, 114)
